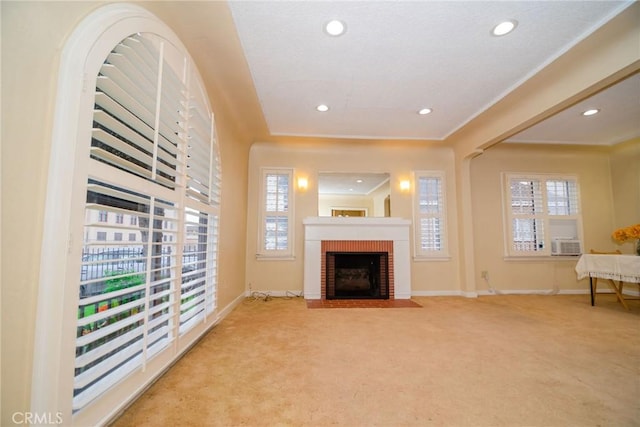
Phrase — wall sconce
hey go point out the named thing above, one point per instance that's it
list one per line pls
(302, 183)
(405, 185)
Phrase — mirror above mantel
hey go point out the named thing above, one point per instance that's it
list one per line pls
(353, 194)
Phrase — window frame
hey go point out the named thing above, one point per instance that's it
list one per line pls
(419, 253)
(546, 218)
(262, 252)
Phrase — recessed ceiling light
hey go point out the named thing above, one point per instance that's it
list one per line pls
(322, 108)
(335, 28)
(358, 181)
(504, 28)
(591, 112)
(425, 111)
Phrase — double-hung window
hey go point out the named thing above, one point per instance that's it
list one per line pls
(542, 215)
(429, 215)
(276, 231)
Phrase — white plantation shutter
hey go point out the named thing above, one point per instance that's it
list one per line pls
(562, 197)
(124, 314)
(154, 164)
(276, 237)
(540, 208)
(429, 214)
(527, 215)
(198, 285)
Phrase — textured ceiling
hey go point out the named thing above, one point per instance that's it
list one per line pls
(618, 120)
(399, 56)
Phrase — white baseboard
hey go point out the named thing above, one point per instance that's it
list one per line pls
(299, 293)
(448, 293)
(229, 308)
(542, 292)
(444, 294)
(552, 292)
(436, 293)
(275, 294)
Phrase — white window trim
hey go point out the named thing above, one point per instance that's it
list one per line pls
(509, 253)
(261, 252)
(419, 254)
(53, 357)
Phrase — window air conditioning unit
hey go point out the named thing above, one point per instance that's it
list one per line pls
(566, 247)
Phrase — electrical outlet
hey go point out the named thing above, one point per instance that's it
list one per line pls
(484, 274)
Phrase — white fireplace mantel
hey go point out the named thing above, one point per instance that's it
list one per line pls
(317, 229)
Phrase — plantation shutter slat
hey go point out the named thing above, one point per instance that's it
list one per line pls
(140, 105)
(87, 340)
(199, 126)
(114, 209)
(84, 397)
(91, 356)
(198, 169)
(136, 71)
(121, 146)
(103, 315)
(144, 62)
(96, 372)
(116, 127)
(105, 190)
(115, 294)
(125, 116)
(199, 187)
(126, 94)
(134, 122)
(115, 160)
(139, 49)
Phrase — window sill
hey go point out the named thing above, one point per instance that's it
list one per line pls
(263, 257)
(427, 258)
(542, 258)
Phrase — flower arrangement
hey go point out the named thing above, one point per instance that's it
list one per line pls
(627, 233)
(631, 232)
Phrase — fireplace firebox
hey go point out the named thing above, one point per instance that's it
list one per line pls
(357, 275)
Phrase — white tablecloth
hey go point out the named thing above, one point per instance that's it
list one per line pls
(616, 267)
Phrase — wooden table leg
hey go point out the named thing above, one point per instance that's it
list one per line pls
(591, 288)
(618, 293)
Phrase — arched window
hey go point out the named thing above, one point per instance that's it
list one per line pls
(143, 163)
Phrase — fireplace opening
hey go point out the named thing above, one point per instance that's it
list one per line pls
(357, 275)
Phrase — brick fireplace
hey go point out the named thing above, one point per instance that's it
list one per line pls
(389, 236)
(373, 249)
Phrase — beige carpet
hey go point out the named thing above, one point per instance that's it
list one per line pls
(490, 361)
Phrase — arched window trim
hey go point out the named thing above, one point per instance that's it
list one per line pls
(81, 58)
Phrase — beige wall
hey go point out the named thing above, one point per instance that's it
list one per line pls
(379, 195)
(33, 34)
(308, 160)
(625, 179)
(30, 54)
(591, 165)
